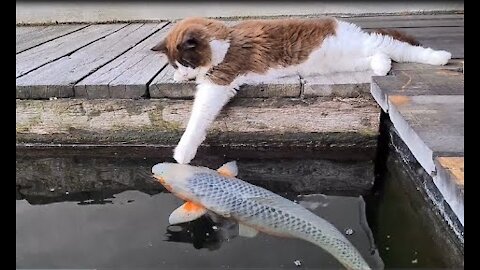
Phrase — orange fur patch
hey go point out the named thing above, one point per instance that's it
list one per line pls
(254, 45)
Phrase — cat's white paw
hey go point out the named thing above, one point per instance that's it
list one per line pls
(183, 74)
(179, 77)
(439, 58)
(184, 153)
(381, 64)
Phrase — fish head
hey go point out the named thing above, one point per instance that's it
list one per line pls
(177, 178)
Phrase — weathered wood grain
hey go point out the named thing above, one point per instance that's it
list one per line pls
(321, 124)
(60, 47)
(453, 65)
(416, 82)
(26, 39)
(126, 76)
(429, 125)
(450, 181)
(25, 30)
(345, 84)
(408, 21)
(163, 86)
(440, 38)
(58, 78)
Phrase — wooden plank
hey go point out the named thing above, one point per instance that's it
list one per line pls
(429, 125)
(453, 65)
(416, 82)
(281, 87)
(410, 21)
(126, 76)
(438, 120)
(455, 46)
(345, 84)
(58, 78)
(319, 123)
(50, 51)
(402, 23)
(386, 17)
(449, 179)
(425, 32)
(427, 109)
(163, 86)
(35, 38)
(21, 31)
(441, 38)
(455, 167)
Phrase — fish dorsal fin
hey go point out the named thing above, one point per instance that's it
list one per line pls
(246, 231)
(187, 212)
(228, 169)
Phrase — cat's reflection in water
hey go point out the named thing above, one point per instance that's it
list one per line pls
(209, 232)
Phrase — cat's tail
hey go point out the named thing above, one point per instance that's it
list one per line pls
(397, 35)
(401, 47)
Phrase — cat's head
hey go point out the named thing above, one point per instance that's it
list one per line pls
(188, 47)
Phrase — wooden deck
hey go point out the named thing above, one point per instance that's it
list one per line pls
(113, 61)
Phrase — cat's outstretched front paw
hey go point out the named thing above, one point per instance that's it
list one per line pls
(381, 64)
(179, 77)
(184, 153)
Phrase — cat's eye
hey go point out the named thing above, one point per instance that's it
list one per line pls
(186, 63)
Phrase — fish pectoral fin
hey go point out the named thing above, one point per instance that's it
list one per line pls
(228, 169)
(246, 231)
(187, 212)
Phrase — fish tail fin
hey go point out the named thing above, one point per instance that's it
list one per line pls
(342, 250)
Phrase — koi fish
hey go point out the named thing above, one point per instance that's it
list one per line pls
(254, 208)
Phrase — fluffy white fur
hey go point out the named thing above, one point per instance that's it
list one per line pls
(350, 49)
(219, 50)
(209, 100)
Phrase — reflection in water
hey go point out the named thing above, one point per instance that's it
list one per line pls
(203, 232)
(133, 232)
(114, 215)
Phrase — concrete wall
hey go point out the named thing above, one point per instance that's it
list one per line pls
(45, 12)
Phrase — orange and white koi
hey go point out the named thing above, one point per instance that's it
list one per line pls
(254, 208)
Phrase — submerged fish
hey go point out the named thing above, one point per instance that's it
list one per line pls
(255, 208)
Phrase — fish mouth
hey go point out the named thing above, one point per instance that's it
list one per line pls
(160, 179)
(163, 182)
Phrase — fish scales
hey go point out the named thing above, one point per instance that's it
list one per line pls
(271, 213)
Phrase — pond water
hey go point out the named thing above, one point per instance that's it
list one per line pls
(100, 220)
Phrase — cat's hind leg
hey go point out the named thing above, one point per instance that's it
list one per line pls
(403, 52)
(380, 64)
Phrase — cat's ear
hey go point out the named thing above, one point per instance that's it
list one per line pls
(160, 47)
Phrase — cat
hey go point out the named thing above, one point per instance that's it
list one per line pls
(222, 58)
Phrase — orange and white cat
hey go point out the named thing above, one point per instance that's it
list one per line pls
(222, 58)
